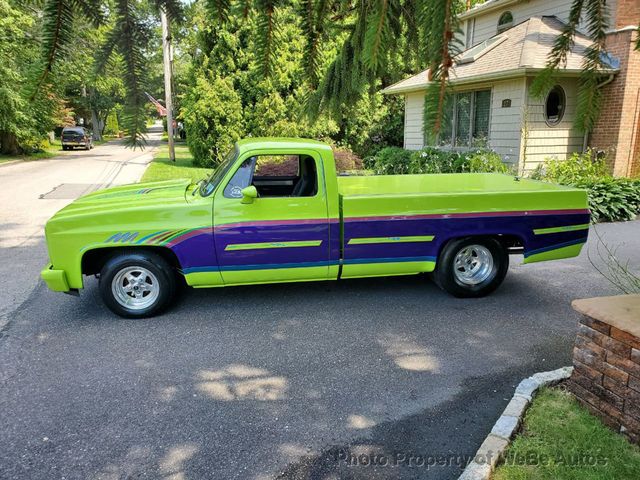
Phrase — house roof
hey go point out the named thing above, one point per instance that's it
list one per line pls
(522, 49)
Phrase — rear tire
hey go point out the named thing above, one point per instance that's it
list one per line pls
(137, 285)
(471, 267)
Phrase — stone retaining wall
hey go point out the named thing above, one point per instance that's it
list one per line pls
(606, 359)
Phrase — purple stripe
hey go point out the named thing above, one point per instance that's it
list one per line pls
(188, 235)
(469, 215)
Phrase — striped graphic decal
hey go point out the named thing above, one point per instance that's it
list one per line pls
(282, 244)
(255, 246)
(405, 239)
(566, 228)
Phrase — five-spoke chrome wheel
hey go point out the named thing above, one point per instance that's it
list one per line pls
(135, 288)
(473, 264)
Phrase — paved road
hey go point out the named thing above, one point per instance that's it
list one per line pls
(32, 191)
(279, 381)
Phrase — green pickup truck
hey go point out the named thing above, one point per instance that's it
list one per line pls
(276, 211)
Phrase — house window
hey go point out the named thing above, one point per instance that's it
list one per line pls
(466, 120)
(554, 106)
(468, 37)
(505, 22)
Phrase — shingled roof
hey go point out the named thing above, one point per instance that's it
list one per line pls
(522, 49)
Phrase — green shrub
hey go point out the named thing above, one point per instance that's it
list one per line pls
(485, 161)
(213, 119)
(612, 199)
(111, 125)
(394, 160)
(390, 161)
(433, 160)
(579, 166)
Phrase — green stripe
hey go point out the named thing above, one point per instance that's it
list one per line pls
(567, 228)
(365, 240)
(255, 246)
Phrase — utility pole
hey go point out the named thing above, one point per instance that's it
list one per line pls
(168, 97)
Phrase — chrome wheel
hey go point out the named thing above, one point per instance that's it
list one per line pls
(135, 288)
(473, 264)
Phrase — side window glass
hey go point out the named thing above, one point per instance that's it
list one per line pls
(240, 179)
(277, 166)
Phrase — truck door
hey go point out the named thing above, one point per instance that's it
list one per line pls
(283, 233)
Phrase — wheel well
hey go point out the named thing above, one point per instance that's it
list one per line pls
(512, 243)
(94, 260)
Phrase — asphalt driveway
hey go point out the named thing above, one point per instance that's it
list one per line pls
(361, 379)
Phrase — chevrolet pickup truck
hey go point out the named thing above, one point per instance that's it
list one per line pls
(276, 211)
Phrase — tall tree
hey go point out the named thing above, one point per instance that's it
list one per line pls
(128, 35)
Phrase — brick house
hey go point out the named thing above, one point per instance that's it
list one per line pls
(506, 44)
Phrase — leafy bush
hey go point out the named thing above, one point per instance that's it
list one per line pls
(390, 161)
(111, 125)
(485, 161)
(433, 160)
(579, 166)
(213, 119)
(346, 160)
(612, 199)
(394, 161)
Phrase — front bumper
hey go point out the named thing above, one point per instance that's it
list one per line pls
(56, 280)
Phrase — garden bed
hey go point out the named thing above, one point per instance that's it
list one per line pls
(560, 439)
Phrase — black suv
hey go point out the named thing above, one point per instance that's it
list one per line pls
(76, 137)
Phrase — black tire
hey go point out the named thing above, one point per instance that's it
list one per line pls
(445, 275)
(64, 147)
(163, 287)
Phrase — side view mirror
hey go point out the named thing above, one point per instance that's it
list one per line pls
(249, 194)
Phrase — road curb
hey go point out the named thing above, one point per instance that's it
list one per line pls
(493, 447)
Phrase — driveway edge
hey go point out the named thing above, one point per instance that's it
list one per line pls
(498, 440)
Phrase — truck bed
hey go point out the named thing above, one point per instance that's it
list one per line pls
(406, 219)
(439, 183)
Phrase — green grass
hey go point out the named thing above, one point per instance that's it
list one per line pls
(163, 169)
(561, 440)
(53, 150)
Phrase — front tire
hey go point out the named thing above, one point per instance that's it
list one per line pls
(137, 285)
(471, 267)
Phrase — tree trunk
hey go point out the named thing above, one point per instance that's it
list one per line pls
(97, 124)
(9, 144)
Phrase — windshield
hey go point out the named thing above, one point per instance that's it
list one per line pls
(218, 174)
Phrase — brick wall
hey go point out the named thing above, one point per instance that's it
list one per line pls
(617, 130)
(606, 376)
(627, 13)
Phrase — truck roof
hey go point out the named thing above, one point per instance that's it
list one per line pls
(280, 142)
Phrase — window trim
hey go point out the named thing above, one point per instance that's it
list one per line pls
(558, 121)
(502, 27)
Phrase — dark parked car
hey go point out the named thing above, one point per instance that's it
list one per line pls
(76, 137)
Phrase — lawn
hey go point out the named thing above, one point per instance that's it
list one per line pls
(163, 169)
(53, 150)
(561, 440)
